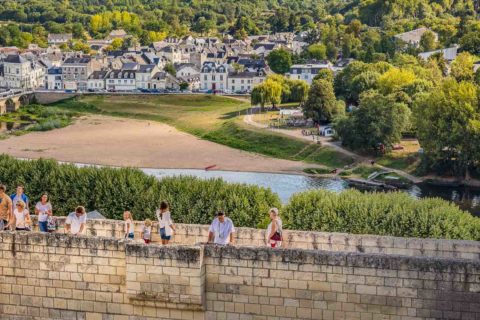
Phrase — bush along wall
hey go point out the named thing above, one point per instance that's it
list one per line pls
(193, 200)
(111, 191)
(395, 214)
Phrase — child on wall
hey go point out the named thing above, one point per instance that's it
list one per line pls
(129, 227)
(147, 231)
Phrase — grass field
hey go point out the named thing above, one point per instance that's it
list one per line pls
(214, 118)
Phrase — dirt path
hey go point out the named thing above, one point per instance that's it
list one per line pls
(326, 141)
(126, 142)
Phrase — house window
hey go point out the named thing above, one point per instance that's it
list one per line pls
(233, 88)
(205, 77)
(213, 78)
(221, 77)
(233, 80)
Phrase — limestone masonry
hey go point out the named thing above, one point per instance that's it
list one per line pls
(318, 276)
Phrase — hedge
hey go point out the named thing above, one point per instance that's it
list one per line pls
(111, 191)
(395, 214)
(193, 200)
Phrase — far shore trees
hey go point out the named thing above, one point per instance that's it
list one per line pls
(379, 119)
(321, 104)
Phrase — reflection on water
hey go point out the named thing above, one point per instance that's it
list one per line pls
(285, 185)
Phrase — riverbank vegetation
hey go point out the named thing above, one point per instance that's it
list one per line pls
(111, 191)
(395, 214)
(35, 117)
(214, 118)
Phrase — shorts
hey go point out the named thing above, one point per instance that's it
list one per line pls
(131, 236)
(42, 225)
(147, 241)
(21, 229)
(163, 235)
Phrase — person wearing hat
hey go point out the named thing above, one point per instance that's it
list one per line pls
(221, 230)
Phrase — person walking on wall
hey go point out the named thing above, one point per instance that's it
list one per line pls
(274, 230)
(75, 223)
(43, 209)
(6, 210)
(165, 223)
(129, 227)
(221, 230)
(20, 196)
(21, 217)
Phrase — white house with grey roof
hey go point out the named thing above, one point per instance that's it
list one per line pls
(22, 73)
(96, 81)
(308, 71)
(243, 82)
(213, 76)
(144, 74)
(121, 80)
(448, 54)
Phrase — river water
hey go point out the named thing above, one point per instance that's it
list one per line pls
(285, 185)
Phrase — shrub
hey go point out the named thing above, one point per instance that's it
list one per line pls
(395, 214)
(111, 191)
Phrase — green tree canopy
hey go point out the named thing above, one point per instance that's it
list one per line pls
(279, 61)
(321, 104)
(378, 119)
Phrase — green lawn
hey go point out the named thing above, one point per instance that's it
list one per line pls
(214, 118)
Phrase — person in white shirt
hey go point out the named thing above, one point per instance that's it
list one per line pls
(43, 209)
(75, 223)
(274, 230)
(221, 230)
(21, 217)
(129, 227)
(165, 223)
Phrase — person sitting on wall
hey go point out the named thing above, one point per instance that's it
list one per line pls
(20, 196)
(221, 230)
(75, 223)
(6, 210)
(43, 209)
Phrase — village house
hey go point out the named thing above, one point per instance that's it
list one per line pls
(117, 34)
(412, 38)
(189, 73)
(53, 79)
(243, 82)
(448, 54)
(213, 76)
(22, 73)
(76, 71)
(96, 81)
(120, 80)
(144, 74)
(163, 80)
(308, 71)
(59, 38)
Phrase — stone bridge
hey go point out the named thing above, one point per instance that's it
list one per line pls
(12, 100)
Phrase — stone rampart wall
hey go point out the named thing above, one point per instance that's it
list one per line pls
(190, 234)
(58, 276)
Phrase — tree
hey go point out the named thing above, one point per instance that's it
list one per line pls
(184, 86)
(395, 79)
(471, 42)
(325, 74)
(169, 67)
(428, 41)
(462, 67)
(317, 51)
(321, 104)
(279, 60)
(298, 91)
(379, 119)
(270, 91)
(448, 126)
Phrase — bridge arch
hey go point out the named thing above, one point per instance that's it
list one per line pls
(11, 106)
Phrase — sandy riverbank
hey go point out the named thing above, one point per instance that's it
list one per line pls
(125, 142)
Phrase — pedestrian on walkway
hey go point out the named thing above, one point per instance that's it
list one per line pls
(274, 230)
(221, 230)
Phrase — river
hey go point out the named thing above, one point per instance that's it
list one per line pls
(285, 185)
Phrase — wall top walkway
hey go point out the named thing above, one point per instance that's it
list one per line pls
(191, 234)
